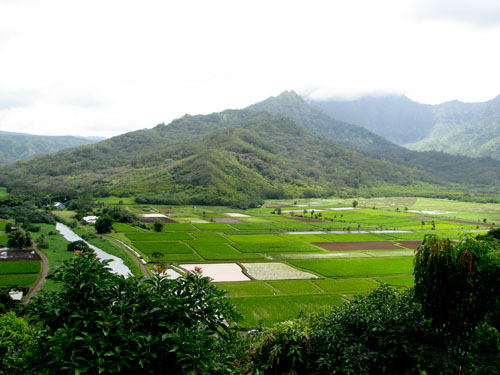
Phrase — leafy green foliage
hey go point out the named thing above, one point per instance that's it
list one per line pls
(120, 215)
(282, 349)
(382, 333)
(158, 226)
(102, 323)
(79, 245)
(15, 336)
(104, 224)
(458, 286)
(18, 240)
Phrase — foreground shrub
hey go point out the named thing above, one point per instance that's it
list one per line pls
(283, 349)
(101, 323)
(382, 333)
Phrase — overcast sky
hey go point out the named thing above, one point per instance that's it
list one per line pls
(105, 67)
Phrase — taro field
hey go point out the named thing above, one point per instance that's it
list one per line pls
(297, 256)
(18, 268)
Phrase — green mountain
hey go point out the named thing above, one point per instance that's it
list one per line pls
(470, 129)
(466, 129)
(16, 146)
(453, 168)
(230, 158)
(395, 118)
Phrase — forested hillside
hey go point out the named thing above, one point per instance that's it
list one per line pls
(459, 169)
(16, 146)
(232, 157)
(470, 129)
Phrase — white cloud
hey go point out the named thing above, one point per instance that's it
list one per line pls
(480, 13)
(106, 67)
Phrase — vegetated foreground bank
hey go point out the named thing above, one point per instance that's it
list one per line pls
(87, 326)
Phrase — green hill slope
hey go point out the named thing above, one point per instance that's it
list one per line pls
(470, 129)
(230, 158)
(459, 169)
(16, 146)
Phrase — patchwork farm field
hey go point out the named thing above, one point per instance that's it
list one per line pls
(312, 255)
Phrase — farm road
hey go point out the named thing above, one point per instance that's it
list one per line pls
(44, 271)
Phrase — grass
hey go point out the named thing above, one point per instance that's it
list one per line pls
(254, 238)
(246, 288)
(253, 226)
(21, 266)
(346, 285)
(397, 280)
(275, 247)
(295, 226)
(302, 237)
(209, 237)
(159, 236)
(357, 266)
(163, 247)
(3, 239)
(3, 192)
(116, 200)
(350, 237)
(295, 287)
(269, 310)
(122, 227)
(178, 227)
(56, 253)
(3, 224)
(221, 251)
(21, 279)
(214, 226)
(176, 258)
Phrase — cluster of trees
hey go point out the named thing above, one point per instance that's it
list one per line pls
(18, 240)
(98, 322)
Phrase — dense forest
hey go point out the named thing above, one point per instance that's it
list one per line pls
(232, 157)
(279, 148)
(16, 146)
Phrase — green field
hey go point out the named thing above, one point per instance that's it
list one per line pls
(274, 309)
(122, 227)
(346, 285)
(3, 223)
(221, 251)
(261, 237)
(3, 239)
(255, 238)
(247, 288)
(159, 236)
(257, 247)
(357, 266)
(21, 279)
(209, 237)
(295, 287)
(15, 267)
(214, 226)
(163, 247)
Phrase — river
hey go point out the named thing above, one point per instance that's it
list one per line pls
(117, 266)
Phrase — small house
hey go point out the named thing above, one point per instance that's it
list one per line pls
(59, 205)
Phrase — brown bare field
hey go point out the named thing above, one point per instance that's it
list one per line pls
(364, 245)
(410, 244)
